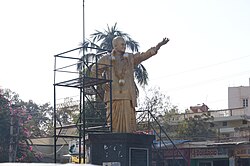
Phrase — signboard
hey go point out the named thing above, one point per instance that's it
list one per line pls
(177, 154)
(74, 147)
(209, 153)
(242, 152)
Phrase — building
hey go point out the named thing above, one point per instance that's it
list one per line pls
(45, 147)
(199, 108)
(239, 97)
(234, 123)
(232, 145)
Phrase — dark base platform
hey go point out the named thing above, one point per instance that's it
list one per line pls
(120, 149)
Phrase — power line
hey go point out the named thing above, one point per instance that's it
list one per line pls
(208, 81)
(199, 68)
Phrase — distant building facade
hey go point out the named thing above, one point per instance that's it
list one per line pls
(239, 97)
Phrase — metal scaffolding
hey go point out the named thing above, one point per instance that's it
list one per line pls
(76, 73)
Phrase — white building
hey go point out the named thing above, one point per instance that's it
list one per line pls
(235, 121)
(232, 123)
(239, 97)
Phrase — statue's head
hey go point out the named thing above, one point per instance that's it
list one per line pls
(119, 44)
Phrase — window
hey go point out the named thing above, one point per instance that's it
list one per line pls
(244, 122)
(138, 156)
(245, 102)
(224, 123)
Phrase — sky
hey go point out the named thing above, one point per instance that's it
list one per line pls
(209, 48)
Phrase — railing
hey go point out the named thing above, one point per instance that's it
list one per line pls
(164, 143)
(225, 113)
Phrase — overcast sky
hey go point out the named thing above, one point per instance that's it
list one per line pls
(209, 48)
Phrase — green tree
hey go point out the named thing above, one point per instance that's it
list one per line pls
(103, 40)
(15, 129)
(196, 128)
(155, 101)
(4, 128)
(95, 113)
(68, 112)
(41, 121)
(159, 105)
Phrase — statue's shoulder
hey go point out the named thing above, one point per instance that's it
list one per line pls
(105, 58)
(129, 56)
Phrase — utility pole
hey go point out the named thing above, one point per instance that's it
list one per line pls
(11, 140)
(16, 142)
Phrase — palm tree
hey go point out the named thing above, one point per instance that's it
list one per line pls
(108, 35)
(104, 39)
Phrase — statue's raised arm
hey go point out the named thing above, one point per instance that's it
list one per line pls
(124, 98)
(163, 42)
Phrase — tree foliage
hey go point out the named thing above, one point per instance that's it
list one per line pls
(106, 36)
(158, 104)
(41, 121)
(196, 128)
(19, 122)
(103, 41)
(67, 112)
(15, 129)
(4, 128)
(170, 119)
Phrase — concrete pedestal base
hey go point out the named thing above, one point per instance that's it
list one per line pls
(120, 149)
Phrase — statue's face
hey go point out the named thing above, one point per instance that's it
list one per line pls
(120, 46)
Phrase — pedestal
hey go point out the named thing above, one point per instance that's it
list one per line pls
(120, 149)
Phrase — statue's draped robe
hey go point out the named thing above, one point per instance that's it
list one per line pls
(124, 98)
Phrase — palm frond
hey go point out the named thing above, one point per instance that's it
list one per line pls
(105, 39)
(141, 75)
(97, 36)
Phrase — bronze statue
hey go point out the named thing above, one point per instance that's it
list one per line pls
(123, 85)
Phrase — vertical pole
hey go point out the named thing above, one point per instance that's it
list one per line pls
(111, 97)
(160, 140)
(54, 112)
(148, 120)
(11, 139)
(83, 119)
(80, 121)
(83, 89)
(83, 15)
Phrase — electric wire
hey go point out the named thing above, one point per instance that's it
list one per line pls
(202, 67)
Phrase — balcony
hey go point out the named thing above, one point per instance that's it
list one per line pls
(219, 115)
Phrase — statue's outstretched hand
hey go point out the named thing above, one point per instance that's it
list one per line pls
(163, 42)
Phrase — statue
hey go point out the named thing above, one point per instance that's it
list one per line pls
(124, 98)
